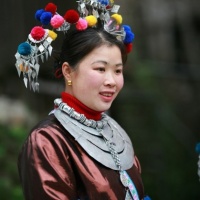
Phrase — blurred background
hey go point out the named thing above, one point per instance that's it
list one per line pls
(159, 106)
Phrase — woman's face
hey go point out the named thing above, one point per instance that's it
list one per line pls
(98, 78)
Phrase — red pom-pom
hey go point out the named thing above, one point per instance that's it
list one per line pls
(71, 16)
(37, 33)
(51, 7)
(108, 7)
(129, 47)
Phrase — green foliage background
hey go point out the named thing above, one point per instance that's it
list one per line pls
(11, 139)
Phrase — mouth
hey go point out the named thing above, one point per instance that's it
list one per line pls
(105, 94)
(107, 97)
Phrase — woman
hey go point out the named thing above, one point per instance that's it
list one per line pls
(78, 151)
(65, 158)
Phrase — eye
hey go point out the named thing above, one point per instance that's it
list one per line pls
(119, 71)
(100, 69)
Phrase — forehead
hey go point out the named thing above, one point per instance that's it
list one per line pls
(105, 52)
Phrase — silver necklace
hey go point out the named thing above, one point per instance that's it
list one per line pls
(131, 194)
(80, 117)
(131, 191)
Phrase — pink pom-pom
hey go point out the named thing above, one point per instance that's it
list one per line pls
(71, 16)
(37, 33)
(81, 24)
(57, 21)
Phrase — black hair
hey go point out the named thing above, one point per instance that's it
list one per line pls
(78, 44)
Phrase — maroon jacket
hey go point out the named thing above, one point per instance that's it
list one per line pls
(52, 165)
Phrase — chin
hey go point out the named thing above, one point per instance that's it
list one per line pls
(104, 108)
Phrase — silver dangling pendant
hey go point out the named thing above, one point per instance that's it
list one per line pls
(128, 196)
(124, 179)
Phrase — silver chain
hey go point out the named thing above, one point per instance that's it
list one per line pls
(113, 153)
(115, 156)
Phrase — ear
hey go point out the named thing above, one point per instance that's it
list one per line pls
(66, 70)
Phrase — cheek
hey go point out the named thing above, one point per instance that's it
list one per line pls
(89, 81)
(93, 78)
(94, 82)
(120, 82)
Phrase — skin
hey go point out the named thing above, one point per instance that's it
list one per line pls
(98, 78)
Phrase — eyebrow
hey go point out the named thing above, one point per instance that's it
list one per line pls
(106, 63)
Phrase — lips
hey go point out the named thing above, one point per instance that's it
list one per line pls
(107, 94)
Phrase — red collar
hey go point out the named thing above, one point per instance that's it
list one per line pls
(80, 107)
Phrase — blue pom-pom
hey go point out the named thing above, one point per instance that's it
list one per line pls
(24, 49)
(147, 198)
(198, 148)
(129, 37)
(127, 28)
(46, 18)
(38, 14)
(104, 2)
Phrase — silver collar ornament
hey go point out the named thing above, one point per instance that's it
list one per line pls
(96, 136)
(104, 140)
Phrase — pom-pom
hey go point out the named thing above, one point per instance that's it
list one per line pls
(52, 35)
(108, 7)
(147, 198)
(118, 18)
(37, 33)
(129, 37)
(38, 14)
(46, 18)
(81, 24)
(127, 28)
(197, 148)
(51, 7)
(24, 49)
(71, 16)
(57, 21)
(129, 47)
(91, 20)
(104, 2)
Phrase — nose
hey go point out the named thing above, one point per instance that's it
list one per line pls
(110, 79)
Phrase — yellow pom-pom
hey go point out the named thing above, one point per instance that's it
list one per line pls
(52, 35)
(118, 18)
(91, 20)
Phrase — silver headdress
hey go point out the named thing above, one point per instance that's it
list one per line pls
(91, 13)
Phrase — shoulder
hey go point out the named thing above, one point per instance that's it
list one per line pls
(48, 125)
(116, 126)
(50, 120)
(47, 132)
(45, 141)
(113, 122)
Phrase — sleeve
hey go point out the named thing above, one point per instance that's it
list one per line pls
(45, 168)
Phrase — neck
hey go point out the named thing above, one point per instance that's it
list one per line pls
(80, 107)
